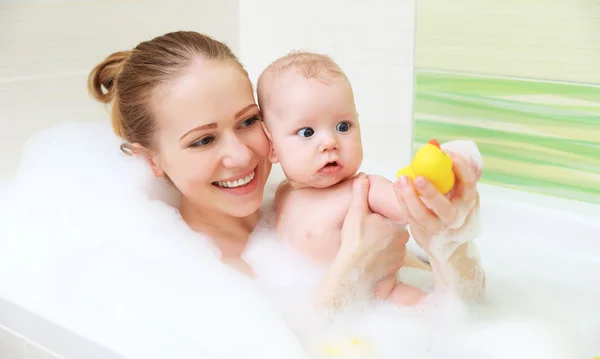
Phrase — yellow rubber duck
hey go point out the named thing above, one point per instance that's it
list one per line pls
(432, 163)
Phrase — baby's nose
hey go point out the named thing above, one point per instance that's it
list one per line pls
(329, 143)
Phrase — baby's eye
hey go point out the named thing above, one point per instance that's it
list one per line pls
(343, 126)
(204, 141)
(249, 122)
(306, 132)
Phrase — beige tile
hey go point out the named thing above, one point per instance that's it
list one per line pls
(36, 351)
(373, 44)
(356, 35)
(27, 107)
(12, 345)
(50, 37)
(49, 47)
(552, 39)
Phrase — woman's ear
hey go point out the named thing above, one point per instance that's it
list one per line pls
(272, 154)
(152, 159)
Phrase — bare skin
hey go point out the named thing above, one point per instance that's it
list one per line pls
(315, 135)
(208, 133)
(318, 233)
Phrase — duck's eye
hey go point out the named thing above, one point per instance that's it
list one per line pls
(204, 141)
(343, 126)
(305, 132)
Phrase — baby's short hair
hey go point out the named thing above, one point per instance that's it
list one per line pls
(308, 64)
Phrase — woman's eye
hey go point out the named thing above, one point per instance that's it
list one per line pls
(249, 122)
(204, 141)
(343, 126)
(305, 132)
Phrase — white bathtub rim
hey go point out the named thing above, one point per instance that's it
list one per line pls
(571, 210)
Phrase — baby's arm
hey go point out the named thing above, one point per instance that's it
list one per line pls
(382, 199)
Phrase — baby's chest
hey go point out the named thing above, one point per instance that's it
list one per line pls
(313, 225)
(312, 219)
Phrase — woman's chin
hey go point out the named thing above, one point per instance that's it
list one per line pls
(243, 206)
(246, 208)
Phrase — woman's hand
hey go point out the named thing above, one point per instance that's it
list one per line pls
(372, 247)
(434, 213)
(442, 226)
(375, 244)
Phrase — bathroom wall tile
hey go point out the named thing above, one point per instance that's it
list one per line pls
(49, 47)
(56, 37)
(488, 71)
(351, 32)
(12, 345)
(27, 107)
(551, 39)
(373, 44)
(385, 115)
(536, 136)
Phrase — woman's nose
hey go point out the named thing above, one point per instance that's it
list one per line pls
(237, 153)
(328, 143)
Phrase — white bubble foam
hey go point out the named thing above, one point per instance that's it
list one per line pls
(83, 243)
(88, 240)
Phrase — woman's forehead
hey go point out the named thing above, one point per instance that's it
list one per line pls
(204, 94)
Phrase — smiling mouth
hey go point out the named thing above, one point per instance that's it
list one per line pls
(241, 182)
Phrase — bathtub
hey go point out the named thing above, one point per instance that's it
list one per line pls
(541, 255)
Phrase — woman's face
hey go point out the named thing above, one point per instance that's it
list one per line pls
(210, 142)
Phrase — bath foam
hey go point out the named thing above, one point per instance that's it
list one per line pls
(90, 242)
(442, 327)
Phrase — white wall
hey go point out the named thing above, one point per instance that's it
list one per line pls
(47, 49)
(373, 43)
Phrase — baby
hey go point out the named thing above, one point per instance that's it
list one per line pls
(310, 118)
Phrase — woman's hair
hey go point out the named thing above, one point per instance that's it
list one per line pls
(128, 80)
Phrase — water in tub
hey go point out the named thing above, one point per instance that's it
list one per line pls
(90, 239)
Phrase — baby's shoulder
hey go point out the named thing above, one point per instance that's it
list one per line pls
(313, 199)
(336, 192)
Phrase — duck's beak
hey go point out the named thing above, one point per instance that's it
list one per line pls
(434, 142)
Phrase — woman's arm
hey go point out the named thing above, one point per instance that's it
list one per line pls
(445, 229)
(461, 272)
(372, 246)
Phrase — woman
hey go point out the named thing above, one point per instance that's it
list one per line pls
(185, 104)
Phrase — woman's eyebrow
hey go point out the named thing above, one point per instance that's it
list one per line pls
(209, 126)
(244, 110)
(214, 125)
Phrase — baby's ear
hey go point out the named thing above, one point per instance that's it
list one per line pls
(272, 155)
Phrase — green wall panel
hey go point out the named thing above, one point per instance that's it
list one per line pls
(538, 136)
(521, 78)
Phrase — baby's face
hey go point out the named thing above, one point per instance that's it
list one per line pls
(314, 130)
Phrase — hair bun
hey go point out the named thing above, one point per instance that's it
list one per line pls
(102, 79)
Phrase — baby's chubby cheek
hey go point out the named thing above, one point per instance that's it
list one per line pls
(298, 171)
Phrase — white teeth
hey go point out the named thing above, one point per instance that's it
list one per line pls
(238, 182)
